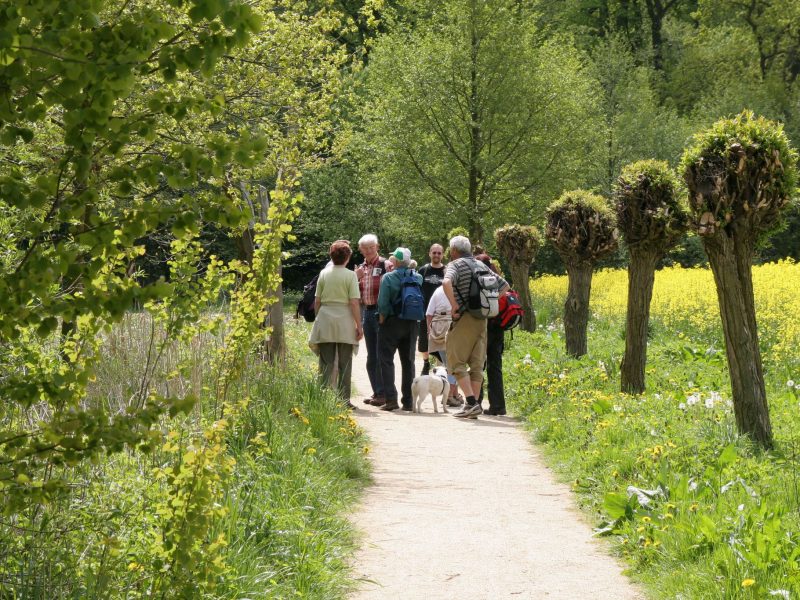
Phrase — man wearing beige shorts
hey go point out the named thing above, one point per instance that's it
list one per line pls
(466, 342)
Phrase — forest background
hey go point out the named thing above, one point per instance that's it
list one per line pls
(565, 94)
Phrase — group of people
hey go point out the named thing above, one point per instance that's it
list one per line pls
(366, 303)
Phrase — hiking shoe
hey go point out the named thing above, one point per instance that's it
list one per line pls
(390, 406)
(455, 400)
(469, 412)
(495, 412)
(407, 408)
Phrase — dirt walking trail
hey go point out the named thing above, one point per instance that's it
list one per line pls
(467, 510)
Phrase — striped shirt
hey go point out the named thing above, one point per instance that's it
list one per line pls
(460, 274)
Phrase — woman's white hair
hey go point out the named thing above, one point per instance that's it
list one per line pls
(368, 238)
(462, 244)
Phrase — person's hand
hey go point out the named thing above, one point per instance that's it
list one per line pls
(381, 319)
(360, 271)
(455, 313)
(359, 332)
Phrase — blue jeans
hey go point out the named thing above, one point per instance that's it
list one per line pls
(369, 321)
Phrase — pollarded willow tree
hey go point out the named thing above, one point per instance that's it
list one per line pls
(740, 172)
(652, 218)
(582, 228)
(519, 244)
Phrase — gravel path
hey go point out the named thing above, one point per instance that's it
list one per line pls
(467, 510)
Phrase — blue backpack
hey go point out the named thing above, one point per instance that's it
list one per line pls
(411, 304)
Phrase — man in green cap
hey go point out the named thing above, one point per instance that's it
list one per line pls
(400, 291)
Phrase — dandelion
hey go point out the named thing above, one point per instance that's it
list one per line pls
(311, 451)
(782, 593)
(709, 402)
(790, 383)
(682, 406)
(716, 397)
(527, 360)
(693, 399)
(748, 582)
(562, 375)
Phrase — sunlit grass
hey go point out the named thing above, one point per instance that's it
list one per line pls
(696, 509)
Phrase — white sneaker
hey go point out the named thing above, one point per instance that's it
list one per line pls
(469, 412)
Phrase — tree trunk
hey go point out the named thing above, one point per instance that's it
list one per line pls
(474, 174)
(576, 308)
(519, 273)
(730, 258)
(656, 11)
(641, 274)
(276, 347)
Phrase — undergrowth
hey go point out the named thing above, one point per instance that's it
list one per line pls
(267, 520)
(697, 511)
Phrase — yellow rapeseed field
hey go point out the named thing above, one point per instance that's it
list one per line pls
(686, 300)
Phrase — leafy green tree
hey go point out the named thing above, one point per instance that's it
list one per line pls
(582, 228)
(636, 124)
(651, 218)
(741, 173)
(471, 117)
(117, 122)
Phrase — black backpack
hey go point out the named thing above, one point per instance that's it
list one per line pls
(305, 307)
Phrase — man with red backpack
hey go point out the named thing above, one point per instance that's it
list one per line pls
(473, 291)
(509, 315)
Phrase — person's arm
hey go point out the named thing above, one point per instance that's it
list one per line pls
(355, 308)
(318, 293)
(384, 310)
(447, 285)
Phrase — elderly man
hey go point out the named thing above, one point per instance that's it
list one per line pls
(396, 334)
(432, 276)
(466, 342)
(369, 275)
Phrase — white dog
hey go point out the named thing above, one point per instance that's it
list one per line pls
(435, 384)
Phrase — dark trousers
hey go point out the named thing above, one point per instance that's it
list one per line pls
(369, 321)
(327, 361)
(398, 335)
(495, 344)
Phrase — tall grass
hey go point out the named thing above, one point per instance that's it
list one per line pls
(299, 464)
(696, 510)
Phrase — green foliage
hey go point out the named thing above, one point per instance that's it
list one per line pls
(740, 171)
(582, 227)
(470, 117)
(119, 121)
(518, 243)
(651, 211)
(694, 508)
(249, 505)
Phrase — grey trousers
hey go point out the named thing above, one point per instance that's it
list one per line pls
(329, 364)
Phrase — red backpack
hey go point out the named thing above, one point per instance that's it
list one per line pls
(510, 311)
